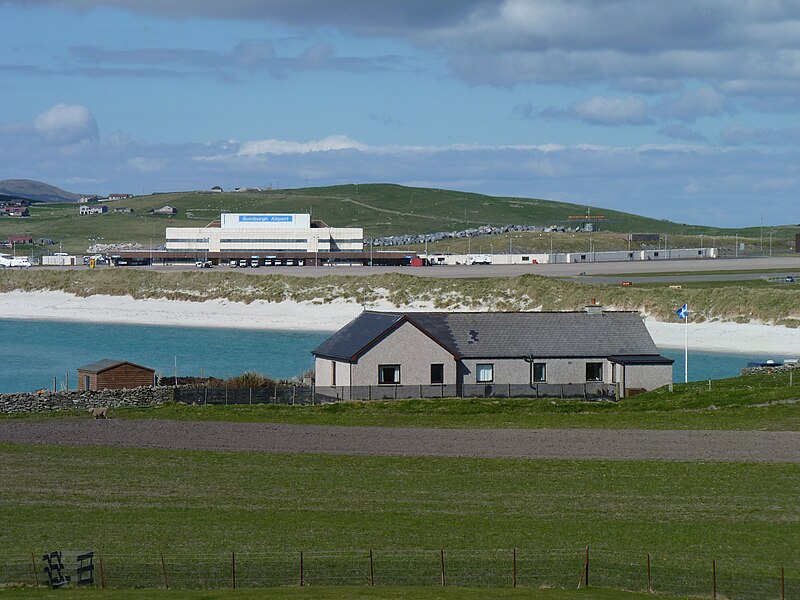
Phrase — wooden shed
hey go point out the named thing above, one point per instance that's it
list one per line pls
(110, 374)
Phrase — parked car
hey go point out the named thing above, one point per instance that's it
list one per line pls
(243, 263)
(233, 263)
(789, 279)
(203, 264)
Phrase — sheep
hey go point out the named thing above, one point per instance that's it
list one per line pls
(100, 412)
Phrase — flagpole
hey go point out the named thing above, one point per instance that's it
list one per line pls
(686, 348)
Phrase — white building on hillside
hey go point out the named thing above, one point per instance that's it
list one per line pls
(265, 233)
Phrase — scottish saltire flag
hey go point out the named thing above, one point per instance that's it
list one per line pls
(683, 312)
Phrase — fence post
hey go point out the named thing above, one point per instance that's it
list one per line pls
(102, 575)
(294, 389)
(714, 579)
(783, 587)
(164, 571)
(514, 570)
(35, 572)
(649, 580)
(586, 568)
(371, 571)
(441, 552)
(301, 568)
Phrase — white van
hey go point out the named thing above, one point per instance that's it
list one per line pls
(20, 262)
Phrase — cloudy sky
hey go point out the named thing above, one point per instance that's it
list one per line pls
(681, 110)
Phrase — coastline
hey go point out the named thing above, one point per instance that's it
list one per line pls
(714, 336)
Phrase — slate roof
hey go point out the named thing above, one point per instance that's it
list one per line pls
(106, 364)
(503, 334)
(641, 359)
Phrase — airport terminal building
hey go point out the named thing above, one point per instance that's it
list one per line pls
(265, 233)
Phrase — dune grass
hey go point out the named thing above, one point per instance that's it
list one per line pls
(779, 304)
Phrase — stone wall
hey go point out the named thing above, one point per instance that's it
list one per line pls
(776, 368)
(29, 402)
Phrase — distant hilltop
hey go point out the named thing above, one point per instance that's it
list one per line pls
(35, 190)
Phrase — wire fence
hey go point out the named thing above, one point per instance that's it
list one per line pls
(286, 394)
(498, 568)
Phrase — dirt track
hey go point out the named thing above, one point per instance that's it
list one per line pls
(572, 444)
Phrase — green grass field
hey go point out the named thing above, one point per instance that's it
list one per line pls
(197, 507)
(381, 209)
(332, 593)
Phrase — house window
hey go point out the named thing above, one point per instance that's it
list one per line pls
(87, 382)
(538, 372)
(388, 374)
(333, 372)
(594, 371)
(484, 373)
(437, 374)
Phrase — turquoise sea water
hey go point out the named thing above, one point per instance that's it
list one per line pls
(33, 352)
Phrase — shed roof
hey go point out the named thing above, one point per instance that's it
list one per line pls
(504, 334)
(108, 363)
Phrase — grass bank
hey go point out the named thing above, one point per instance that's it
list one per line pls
(527, 292)
(758, 402)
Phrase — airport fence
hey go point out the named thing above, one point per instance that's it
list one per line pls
(496, 568)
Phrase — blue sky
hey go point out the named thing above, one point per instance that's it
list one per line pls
(681, 110)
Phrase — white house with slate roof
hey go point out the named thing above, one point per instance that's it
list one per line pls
(593, 353)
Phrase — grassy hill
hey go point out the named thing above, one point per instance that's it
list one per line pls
(381, 209)
(35, 190)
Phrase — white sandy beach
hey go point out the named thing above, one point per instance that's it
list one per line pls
(308, 316)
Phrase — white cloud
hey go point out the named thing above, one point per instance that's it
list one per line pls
(147, 165)
(66, 124)
(333, 142)
(601, 110)
(691, 104)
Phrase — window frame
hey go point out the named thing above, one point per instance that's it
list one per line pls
(594, 364)
(478, 372)
(534, 379)
(396, 371)
(441, 373)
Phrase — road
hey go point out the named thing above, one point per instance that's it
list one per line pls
(761, 264)
(566, 444)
